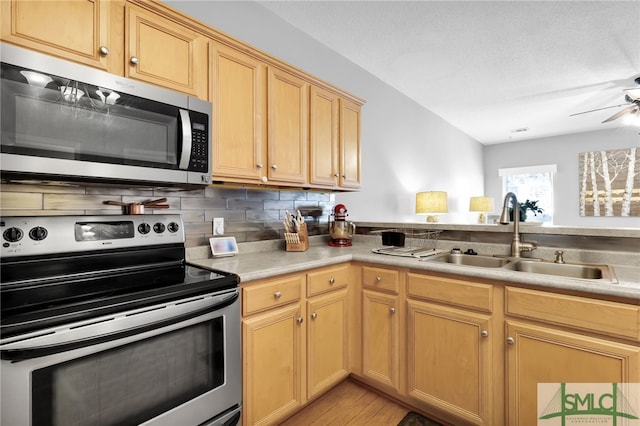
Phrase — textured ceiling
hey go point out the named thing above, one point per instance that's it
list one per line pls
(490, 68)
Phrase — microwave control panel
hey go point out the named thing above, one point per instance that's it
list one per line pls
(199, 161)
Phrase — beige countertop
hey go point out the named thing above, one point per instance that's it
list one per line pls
(268, 259)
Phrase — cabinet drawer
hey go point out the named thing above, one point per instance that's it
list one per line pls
(271, 294)
(450, 291)
(611, 318)
(327, 280)
(381, 279)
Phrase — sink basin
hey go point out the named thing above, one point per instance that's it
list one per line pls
(472, 260)
(570, 270)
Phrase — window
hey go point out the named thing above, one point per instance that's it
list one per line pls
(534, 183)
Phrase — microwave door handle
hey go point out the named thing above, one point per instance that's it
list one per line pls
(187, 141)
(45, 350)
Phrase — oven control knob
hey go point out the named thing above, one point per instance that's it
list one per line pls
(173, 227)
(38, 233)
(144, 228)
(12, 234)
(158, 228)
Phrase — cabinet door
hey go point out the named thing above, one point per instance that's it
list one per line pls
(287, 129)
(327, 332)
(380, 338)
(323, 138)
(349, 145)
(449, 360)
(273, 358)
(238, 94)
(74, 30)
(545, 355)
(162, 52)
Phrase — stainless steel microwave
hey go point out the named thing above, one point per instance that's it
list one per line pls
(64, 121)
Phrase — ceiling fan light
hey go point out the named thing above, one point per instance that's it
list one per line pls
(632, 117)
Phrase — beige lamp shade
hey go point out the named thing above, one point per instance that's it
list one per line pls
(431, 202)
(482, 205)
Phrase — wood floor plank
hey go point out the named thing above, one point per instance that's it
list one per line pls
(349, 404)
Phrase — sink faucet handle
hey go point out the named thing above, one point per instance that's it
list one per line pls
(559, 256)
(527, 246)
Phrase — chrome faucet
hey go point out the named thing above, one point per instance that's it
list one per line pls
(517, 246)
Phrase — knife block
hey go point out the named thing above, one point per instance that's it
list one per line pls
(297, 241)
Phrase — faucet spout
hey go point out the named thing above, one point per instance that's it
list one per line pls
(517, 246)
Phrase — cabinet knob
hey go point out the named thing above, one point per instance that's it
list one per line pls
(392, 310)
(277, 295)
(314, 315)
(378, 279)
(299, 320)
(264, 179)
(104, 50)
(511, 340)
(259, 165)
(336, 175)
(274, 166)
(484, 333)
(332, 281)
(134, 60)
(344, 176)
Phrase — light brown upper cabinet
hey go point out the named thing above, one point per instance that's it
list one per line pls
(116, 36)
(273, 124)
(349, 145)
(288, 115)
(239, 123)
(334, 141)
(324, 160)
(162, 52)
(74, 30)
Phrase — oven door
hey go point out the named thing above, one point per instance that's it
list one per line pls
(177, 363)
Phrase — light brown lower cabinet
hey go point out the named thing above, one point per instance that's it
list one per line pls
(450, 347)
(327, 341)
(273, 349)
(470, 352)
(544, 355)
(540, 348)
(295, 342)
(380, 332)
(382, 323)
(273, 365)
(449, 360)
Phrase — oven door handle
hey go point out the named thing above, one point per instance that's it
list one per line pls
(20, 354)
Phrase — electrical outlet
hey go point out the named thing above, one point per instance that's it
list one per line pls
(218, 226)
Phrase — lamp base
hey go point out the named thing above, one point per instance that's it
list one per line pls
(482, 219)
(433, 218)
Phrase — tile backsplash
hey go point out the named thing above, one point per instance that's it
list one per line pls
(249, 214)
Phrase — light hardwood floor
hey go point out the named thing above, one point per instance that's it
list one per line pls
(349, 404)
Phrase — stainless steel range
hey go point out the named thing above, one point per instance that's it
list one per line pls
(104, 323)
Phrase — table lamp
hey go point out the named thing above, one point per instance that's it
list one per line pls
(482, 205)
(432, 203)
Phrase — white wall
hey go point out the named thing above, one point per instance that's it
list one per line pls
(405, 148)
(563, 151)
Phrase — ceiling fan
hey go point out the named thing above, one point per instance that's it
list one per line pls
(631, 107)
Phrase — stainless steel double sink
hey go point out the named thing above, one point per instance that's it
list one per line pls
(603, 273)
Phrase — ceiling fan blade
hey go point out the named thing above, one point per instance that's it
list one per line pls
(620, 113)
(597, 109)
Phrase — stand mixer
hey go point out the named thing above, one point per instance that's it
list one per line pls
(340, 230)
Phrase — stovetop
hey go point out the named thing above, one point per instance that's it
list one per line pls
(116, 263)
